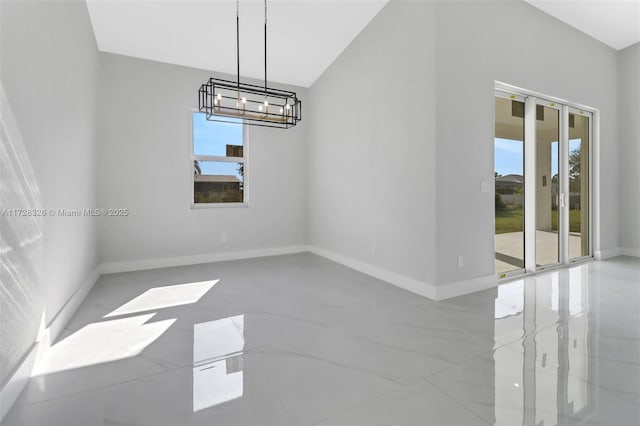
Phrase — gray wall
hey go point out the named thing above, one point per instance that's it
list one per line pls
(372, 145)
(144, 165)
(48, 71)
(402, 130)
(629, 125)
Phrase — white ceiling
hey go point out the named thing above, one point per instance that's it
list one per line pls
(304, 36)
(613, 22)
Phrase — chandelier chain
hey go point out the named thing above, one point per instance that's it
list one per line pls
(265, 47)
(238, 42)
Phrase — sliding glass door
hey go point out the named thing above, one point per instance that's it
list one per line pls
(509, 184)
(542, 183)
(579, 201)
(547, 177)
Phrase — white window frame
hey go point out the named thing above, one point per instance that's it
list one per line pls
(218, 158)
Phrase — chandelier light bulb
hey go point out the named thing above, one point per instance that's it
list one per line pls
(281, 110)
(219, 96)
(266, 104)
(244, 100)
(260, 108)
(287, 106)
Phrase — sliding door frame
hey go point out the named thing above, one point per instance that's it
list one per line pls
(510, 95)
(531, 100)
(590, 116)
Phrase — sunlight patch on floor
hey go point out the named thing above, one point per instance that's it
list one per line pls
(165, 297)
(102, 342)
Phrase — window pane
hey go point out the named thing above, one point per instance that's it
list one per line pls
(215, 138)
(218, 182)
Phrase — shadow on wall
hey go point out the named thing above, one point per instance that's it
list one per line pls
(20, 245)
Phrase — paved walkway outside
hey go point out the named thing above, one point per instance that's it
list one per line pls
(510, 249)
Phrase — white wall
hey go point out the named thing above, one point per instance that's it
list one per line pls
(629, 125)
(402, 132)
(372, 148)
(48, 73)
(144, 165)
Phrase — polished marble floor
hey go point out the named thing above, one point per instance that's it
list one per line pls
(298, 339)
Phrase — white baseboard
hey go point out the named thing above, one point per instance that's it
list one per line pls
(166, 262)
(62, 318)
(616, 251)
(402, 281)
(460, 288)
(625, 251)
(607, 253)
(22, 373)
(433, 292)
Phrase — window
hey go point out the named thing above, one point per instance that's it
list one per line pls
(219, 161)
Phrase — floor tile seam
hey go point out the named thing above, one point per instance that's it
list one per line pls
(441, 370)
(32, 405)
(360, 403)
(462, 362)
(285, 316)
(285, 409)
(369, 372)
(453, 309)
(347, 367)
(467, 310)
(425, 327)
(460, 403)
(292, 317)
(315, 422)
(401, 349)
(102, 387)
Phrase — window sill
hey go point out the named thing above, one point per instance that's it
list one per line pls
(200, 206)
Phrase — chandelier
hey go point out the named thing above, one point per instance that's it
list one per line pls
(222, 100)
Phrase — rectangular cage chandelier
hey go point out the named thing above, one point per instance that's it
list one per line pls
(227, 101)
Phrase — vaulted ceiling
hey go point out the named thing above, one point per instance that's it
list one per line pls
(616, 23)
(304, 36)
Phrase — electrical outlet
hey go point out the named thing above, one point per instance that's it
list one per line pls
(460, 262)
(223, 238)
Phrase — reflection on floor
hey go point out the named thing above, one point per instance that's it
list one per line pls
(298, 339)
